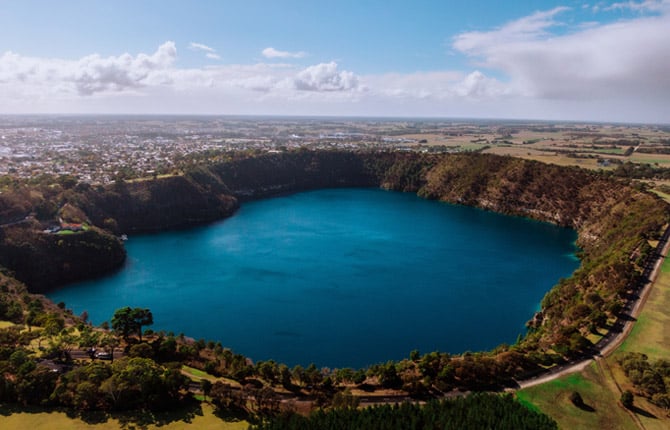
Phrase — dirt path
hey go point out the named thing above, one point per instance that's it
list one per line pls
(613, 339)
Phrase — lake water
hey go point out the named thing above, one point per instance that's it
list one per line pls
(344, 277)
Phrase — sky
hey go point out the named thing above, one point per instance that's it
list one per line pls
(549, 60)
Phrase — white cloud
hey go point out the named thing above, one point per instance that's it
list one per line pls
(643, 6)
(615, 62)
(274, 53)
(418, 85)
(208, 50)
(200, 47)
(476, 85)
(87, 76)
(325, 77)
(527, 28)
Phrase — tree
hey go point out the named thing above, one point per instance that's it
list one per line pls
(345, 400)
(127, 321)
(122, 322)
(142, 317)
(108, 341)
(206, 387)
(141, 350)
(627, 399)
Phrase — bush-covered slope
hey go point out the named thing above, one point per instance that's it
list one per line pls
(43, 260)
(155, 205)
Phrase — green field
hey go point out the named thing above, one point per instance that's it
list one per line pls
(650, 334)
(553, 399)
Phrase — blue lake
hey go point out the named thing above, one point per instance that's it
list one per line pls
(343, 277)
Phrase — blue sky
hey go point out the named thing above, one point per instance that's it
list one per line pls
(567, 60)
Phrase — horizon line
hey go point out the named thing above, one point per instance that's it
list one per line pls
(338, 117)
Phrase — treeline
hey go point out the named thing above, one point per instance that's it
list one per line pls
(479, 411)
(127, 384)
(641, 171)
(651, 379)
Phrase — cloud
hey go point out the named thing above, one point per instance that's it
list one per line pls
(417, 85)
(616, 61)
(274, 53)
(208, 50)
(643, 6)
(527, 28)
(89, 75)
(476, 85)
(325, 77)
(95, 74)
(200, 47)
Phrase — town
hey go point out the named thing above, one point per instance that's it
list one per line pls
(99, 150)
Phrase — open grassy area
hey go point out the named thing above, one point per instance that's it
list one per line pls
(198, 375)
(650, 334)
(198, 417)
(601, 412)
(660, 159)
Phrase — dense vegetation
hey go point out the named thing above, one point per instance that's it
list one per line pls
(479, 411)
(651, 379)
(618, 227)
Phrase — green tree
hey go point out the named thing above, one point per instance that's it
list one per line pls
(141, 350)
(123, 323)
(127, 321)
(206, 387)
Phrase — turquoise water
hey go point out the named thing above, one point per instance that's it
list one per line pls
(346, 277)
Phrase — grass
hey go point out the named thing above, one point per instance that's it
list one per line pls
(200, 416)
(67, 232)
(601, 412)
(650, 334)
(614, 151)
(649, 158)
(197, 375)
(5, 324)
